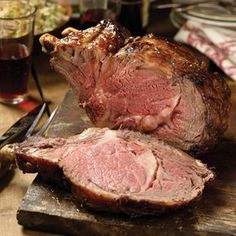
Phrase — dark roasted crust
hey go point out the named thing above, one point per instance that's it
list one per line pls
(124, 204)
(48, 170)
(168, 56)
(107, 36)
(215, 94)
(112, 37)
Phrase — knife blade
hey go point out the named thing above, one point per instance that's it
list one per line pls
(17, 131)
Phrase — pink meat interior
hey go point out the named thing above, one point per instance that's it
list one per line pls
(113, 165)
(116, 165)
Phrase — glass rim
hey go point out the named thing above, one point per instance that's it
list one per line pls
(31, 13)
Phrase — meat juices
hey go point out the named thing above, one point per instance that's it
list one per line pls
(145, 84)
(117, 171)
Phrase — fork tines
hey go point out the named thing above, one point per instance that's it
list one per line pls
(36, 121)
(47, 123)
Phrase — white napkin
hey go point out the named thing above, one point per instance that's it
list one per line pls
(219, 44)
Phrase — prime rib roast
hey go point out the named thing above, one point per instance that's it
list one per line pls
(146, 84)
(117, 170)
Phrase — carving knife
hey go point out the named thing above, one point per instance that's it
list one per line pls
(18, 130)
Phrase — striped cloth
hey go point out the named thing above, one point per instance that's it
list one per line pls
(219, 44)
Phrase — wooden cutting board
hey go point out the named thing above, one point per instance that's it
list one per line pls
(48, 208)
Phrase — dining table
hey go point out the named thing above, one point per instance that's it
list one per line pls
(15, 184)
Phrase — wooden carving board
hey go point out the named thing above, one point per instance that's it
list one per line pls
(48, 208)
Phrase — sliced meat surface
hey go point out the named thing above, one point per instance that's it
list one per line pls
(117, 171)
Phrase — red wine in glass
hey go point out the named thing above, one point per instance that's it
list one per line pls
(15, 65)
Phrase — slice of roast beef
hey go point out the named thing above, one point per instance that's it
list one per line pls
(117, 171)
(145, 84)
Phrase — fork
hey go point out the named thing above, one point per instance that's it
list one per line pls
(7, 151)
(45, 126)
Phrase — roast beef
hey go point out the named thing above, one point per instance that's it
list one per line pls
(117, 171)
(145, 84)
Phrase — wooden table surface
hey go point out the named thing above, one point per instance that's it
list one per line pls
(14, 186)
